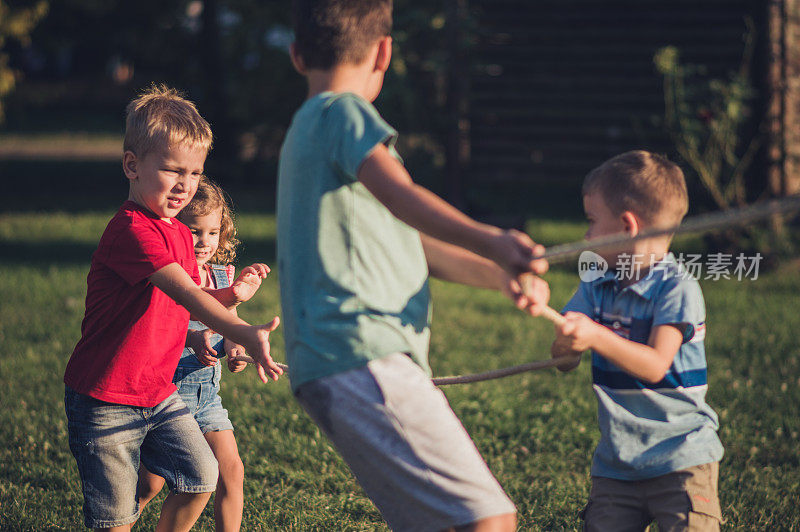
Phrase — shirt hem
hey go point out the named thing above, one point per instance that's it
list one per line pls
(297, 381)
(659, 471)
(121, 399)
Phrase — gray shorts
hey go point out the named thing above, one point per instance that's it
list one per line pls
(405, 445)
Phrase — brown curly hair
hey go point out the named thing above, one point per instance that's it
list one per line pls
(208, 198)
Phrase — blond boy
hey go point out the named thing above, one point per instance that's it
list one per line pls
(122, 407)
(644, 321)
(357, 240)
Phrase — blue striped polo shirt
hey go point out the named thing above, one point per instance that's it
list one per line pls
(648, 430)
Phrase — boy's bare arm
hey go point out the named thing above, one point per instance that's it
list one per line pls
(648, 362)
(389, 182)
(458, 265)
(173, 280)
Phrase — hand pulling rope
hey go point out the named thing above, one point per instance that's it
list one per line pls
(565, 252)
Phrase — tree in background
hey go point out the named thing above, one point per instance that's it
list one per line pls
(707, 120)
(711, 122)
(231, 57)
(15, 23)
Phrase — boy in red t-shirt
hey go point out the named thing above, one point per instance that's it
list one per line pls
(122, 407)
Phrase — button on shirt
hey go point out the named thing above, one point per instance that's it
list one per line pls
(648, 430)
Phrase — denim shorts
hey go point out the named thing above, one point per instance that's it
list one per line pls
(110, 440)
(199, 389)
(405, 445)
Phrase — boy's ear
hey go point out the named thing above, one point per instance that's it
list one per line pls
(384, 57)
(631, 223)
(297, 60)
(129, 164)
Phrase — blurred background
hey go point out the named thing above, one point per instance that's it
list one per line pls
(502, 105)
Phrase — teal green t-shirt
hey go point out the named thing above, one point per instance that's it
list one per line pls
(354, 280)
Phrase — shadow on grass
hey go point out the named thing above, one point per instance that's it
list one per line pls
(67, 186)
(45, 253)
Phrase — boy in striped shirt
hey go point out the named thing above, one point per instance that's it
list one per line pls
(644, 321)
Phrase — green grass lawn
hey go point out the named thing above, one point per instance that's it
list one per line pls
(537, 430)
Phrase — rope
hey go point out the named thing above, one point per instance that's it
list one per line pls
(474, 377)
(696, 224)
(548, 313)
(503, 372)
(565, 252)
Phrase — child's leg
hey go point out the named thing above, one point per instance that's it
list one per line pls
(497, 523)
(181, 510)
(407, 448)
(687, 499)
(229, 497)
(176, 450)
(105, 439)
(148, 486)
(617, 505)
(201, 395)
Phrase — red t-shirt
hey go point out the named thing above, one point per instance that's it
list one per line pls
(132, 334)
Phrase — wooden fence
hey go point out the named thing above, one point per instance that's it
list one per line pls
(544, 90)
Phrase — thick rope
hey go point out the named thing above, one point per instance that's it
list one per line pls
(696, 224)
(565, 252)
(503, 372)
(548, 313)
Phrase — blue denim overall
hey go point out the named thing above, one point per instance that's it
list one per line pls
(198, 385)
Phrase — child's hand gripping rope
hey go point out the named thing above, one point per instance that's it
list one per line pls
(261, 355)
(234, 351)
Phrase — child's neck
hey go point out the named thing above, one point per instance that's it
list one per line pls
(640, 265)
(132, 197)
(341, 78)
(205, 278)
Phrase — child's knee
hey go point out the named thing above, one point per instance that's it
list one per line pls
(148, 487)
(495, 523)
(506, 523)
(231, 472)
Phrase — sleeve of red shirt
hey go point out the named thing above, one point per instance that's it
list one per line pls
(136, 251)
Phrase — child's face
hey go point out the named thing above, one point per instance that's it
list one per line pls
(602, 221)
(205, 234)
(164, 181)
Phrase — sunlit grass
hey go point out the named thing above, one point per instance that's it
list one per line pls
(537, 431)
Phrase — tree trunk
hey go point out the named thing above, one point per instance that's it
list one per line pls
(783, 111)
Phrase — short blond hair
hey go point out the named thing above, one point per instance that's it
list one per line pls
(647, 184)
(163, 117)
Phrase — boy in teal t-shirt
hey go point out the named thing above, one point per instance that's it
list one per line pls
(357, 240)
